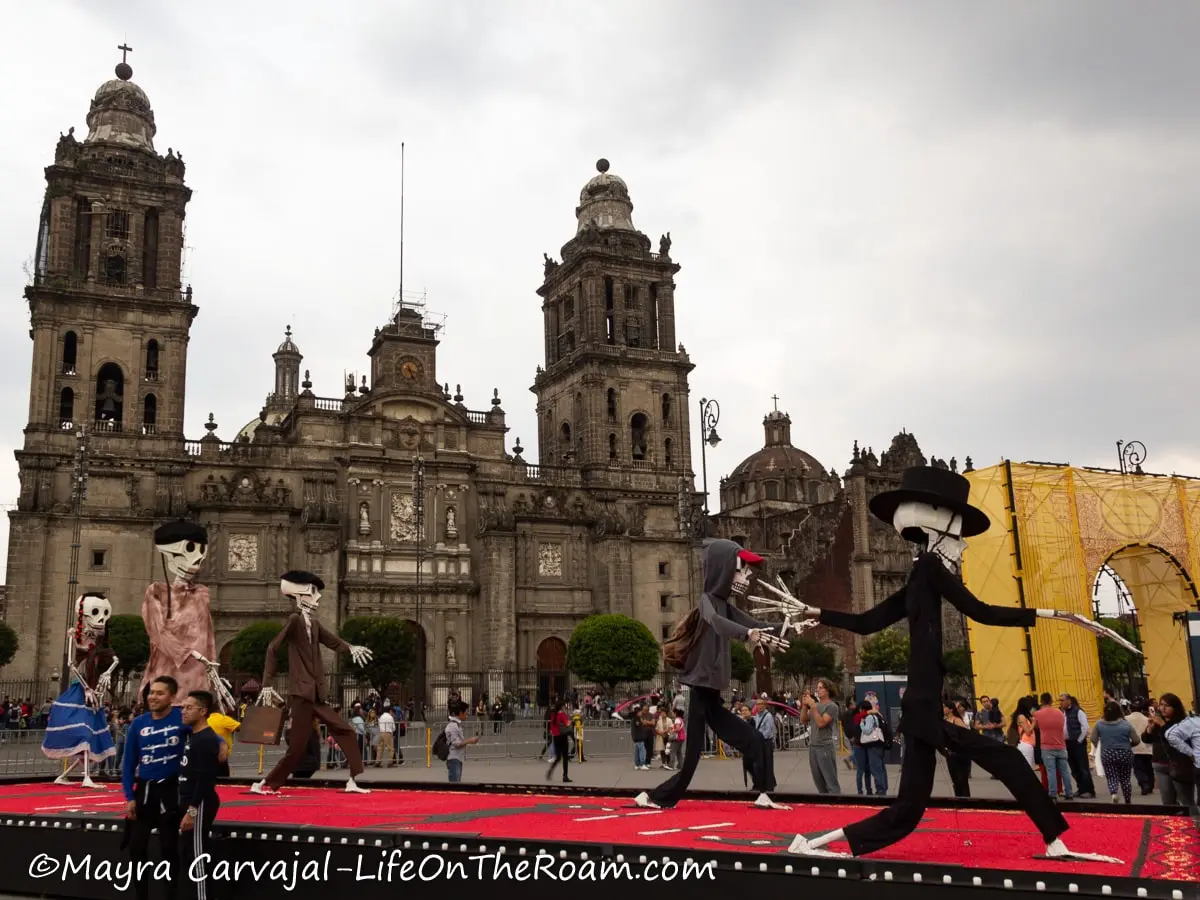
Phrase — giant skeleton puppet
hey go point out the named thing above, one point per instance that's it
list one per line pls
(727, 570)
(178, 620)
(78, 725)
(304, 635)
(931, 510)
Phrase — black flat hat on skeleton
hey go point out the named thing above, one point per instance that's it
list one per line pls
(298, 577)
(937, 487)
(181, 530)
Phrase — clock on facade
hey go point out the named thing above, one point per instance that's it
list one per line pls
(411, 368)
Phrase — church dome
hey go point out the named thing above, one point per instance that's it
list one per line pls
(604, 202)
(288, 345)
(121, 114)
(778, 477)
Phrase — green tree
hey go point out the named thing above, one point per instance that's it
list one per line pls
(1115, 661)
(886, 652)
(958, 663)
(248, 655)
(393, 649)
(608, 649)
(806, 659)
(742, 663)
(8, 644)
(128, 639)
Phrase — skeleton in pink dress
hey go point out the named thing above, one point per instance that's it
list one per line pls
(177, 617)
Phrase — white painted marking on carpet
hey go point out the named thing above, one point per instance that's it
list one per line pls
(649, 812)
(689, 828)
(77, 806)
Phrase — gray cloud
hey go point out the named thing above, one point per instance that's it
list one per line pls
(971, 221)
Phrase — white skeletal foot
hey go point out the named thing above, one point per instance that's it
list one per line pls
(801, 847)
(643, 800)
(352, 788)
(260, 787)
(62, 779)
(88, 783)
(765, 802)
(1058, 850)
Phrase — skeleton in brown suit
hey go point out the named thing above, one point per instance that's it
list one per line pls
(304, 635)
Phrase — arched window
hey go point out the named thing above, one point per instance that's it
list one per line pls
(152, 360)
(667, 453)
(564, 435)
(666, 407)
(70, 352)
(110, 394)
(149, 414)
(66, 408)
(638, 426)
(612, 446)
(612, 405)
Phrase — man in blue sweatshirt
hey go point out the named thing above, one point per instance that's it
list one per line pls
(150, 777)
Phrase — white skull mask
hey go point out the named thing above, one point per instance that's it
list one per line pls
(306, 596)
(741, 578)
(183, 559)
(96, 612)
(937, 529)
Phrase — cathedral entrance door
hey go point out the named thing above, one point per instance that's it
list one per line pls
(551, 670)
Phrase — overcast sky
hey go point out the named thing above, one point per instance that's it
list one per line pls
(974, 221)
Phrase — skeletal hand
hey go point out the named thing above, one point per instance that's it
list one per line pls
(1094, 627)
(269, 697)
(360, 655)
(760, 637)
(91, 698)
(784, 602)
(103, 683)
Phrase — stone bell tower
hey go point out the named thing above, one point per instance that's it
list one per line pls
(613, 396)
(110, 323)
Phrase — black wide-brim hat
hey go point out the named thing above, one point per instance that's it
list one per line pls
(937, 487)
(180, 530)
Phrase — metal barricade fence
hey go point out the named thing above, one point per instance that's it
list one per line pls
(521, 739)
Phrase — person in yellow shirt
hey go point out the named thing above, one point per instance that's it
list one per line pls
(224, 726)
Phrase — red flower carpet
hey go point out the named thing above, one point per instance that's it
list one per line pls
(1160, 847)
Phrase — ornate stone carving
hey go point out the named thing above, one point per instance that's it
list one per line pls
(364, 518)
(243, 553)
(451, 523)
(550, 560)
(451, 656)
(404, 519)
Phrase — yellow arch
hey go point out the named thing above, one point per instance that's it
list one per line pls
(1053, 528)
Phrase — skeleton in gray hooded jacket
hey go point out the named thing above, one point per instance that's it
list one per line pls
(708, 665)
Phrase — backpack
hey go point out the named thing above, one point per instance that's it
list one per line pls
(888, 739)
(679, 646)
(441, 747)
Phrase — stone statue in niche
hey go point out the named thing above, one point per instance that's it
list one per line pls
(364, 519)
(451, 523)
(451, 658)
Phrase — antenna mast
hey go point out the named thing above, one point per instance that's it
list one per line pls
(402, 223)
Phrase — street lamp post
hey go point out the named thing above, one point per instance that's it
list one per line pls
(418, 489)
(710, 414)
(79, 481)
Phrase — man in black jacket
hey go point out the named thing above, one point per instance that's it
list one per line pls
(931, 509)
(198, 792)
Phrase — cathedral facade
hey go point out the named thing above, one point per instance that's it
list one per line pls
(406, 502)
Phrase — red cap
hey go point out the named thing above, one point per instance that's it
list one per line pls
(751, 558)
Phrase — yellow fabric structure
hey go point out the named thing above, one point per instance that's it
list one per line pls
(1053, 529)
